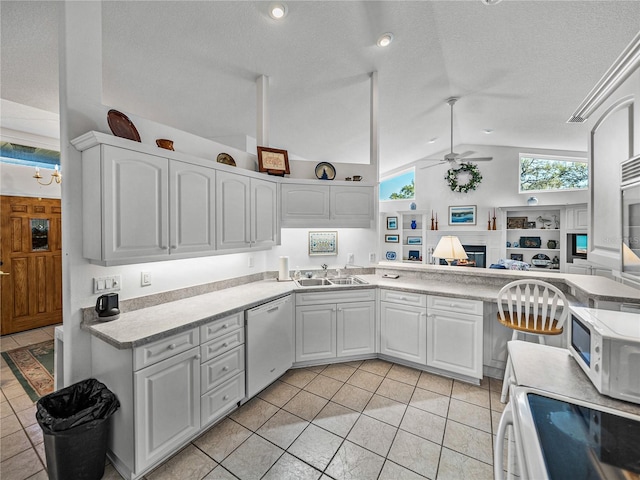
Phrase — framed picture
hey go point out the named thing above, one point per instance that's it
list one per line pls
(414, 240)
(462, 215)
(414, 255)
(392, 239)
(323, 243)
(531, 225)
(273, 161)
(530, 242)
(516, 256)
(392, 223)
(516, 222)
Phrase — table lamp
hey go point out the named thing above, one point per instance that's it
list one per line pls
(450, 248)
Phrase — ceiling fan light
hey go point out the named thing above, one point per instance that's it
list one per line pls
(488, 131)
(278, 11)
(385, 39)
(490, 2)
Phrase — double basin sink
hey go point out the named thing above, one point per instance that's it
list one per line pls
(337, 281)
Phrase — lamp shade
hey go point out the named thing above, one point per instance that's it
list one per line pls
(629, 258)
(450, 248)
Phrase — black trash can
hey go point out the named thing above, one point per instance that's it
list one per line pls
(75, 424)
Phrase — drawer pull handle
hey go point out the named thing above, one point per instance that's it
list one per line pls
(225, 398)
(225, 325)
(225, 344)
(172, 346)
(225, 368)
(198, 356)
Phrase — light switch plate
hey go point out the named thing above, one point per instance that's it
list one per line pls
(145, 278)
(109, 283)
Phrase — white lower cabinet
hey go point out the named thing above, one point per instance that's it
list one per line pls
(326, 329)
(403, 326)
(167, 406)
(170, 389)
(455, 335)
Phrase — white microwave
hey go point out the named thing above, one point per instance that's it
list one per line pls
(606, 345)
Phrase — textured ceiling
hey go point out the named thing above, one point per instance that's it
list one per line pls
(521, 68)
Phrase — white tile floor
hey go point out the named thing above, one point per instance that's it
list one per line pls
(357, 420)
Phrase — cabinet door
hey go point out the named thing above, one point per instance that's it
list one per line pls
(454, 342)
(233, 209)
(403, 332)
(264, 213)
(577, 218)
(315, 332)
(167, 406)
(353, 204)
(356, 328)
(135, 190)
(192, 213)
(304, 204)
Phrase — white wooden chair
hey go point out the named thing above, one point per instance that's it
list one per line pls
(530, 307)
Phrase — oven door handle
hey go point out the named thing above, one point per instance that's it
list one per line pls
(506, 420)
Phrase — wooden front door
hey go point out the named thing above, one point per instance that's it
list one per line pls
(31, 256)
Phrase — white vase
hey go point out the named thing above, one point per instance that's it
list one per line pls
(532, 201)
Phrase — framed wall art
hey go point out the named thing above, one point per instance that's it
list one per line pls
(273, 161)
(392, 223)
(414, 240)
(323, 243)
(462, 215)
(516, 222)
(392, 238)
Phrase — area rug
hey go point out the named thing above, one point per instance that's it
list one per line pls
(33, 367)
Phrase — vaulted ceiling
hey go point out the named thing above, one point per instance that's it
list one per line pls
(521, 68)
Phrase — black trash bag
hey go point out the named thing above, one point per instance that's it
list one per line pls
(82, 403)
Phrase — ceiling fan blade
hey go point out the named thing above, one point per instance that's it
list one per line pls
(466, 154)
(479, 159)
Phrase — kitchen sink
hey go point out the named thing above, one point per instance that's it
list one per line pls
(313, 282)
(347, 281)
(318, 282)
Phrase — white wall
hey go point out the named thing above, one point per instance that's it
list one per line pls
(17, 180)
(295, 245)
(499, 186)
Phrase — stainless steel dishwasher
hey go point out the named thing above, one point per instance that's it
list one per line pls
(269, 343)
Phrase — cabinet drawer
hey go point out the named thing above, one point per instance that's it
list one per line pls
(221, 368)
(221, 344)
(405, 298)
(347, 295)
(449, 304)
(167, 347)
(221, 326)
(218, 401)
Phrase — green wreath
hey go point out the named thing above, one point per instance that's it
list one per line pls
(472, 184)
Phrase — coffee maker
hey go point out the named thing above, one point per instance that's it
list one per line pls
(107, 307)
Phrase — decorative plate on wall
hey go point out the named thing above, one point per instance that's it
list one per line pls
(325, 171)
(391, 255)
(121, 126)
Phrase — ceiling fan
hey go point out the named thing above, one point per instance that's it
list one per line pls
(454, 158)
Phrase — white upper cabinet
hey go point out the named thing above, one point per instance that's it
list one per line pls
(125, 205)
(246, 212)
(307, 205)
(141, 207)
(192, 208)
(577, 218)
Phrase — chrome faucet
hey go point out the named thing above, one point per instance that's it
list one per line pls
(324, 268)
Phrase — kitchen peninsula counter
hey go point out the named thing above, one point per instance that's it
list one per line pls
(144, 325)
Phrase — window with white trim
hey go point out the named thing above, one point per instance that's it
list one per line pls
(546, 173)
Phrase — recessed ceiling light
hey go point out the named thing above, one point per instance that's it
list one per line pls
(488, 131)
(277, 11)
(433, 140)
(490, 2)
(385, 39)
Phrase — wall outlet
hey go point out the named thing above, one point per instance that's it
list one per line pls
(350, 258)
(110, 283)
(372, 257)
(145, 278)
